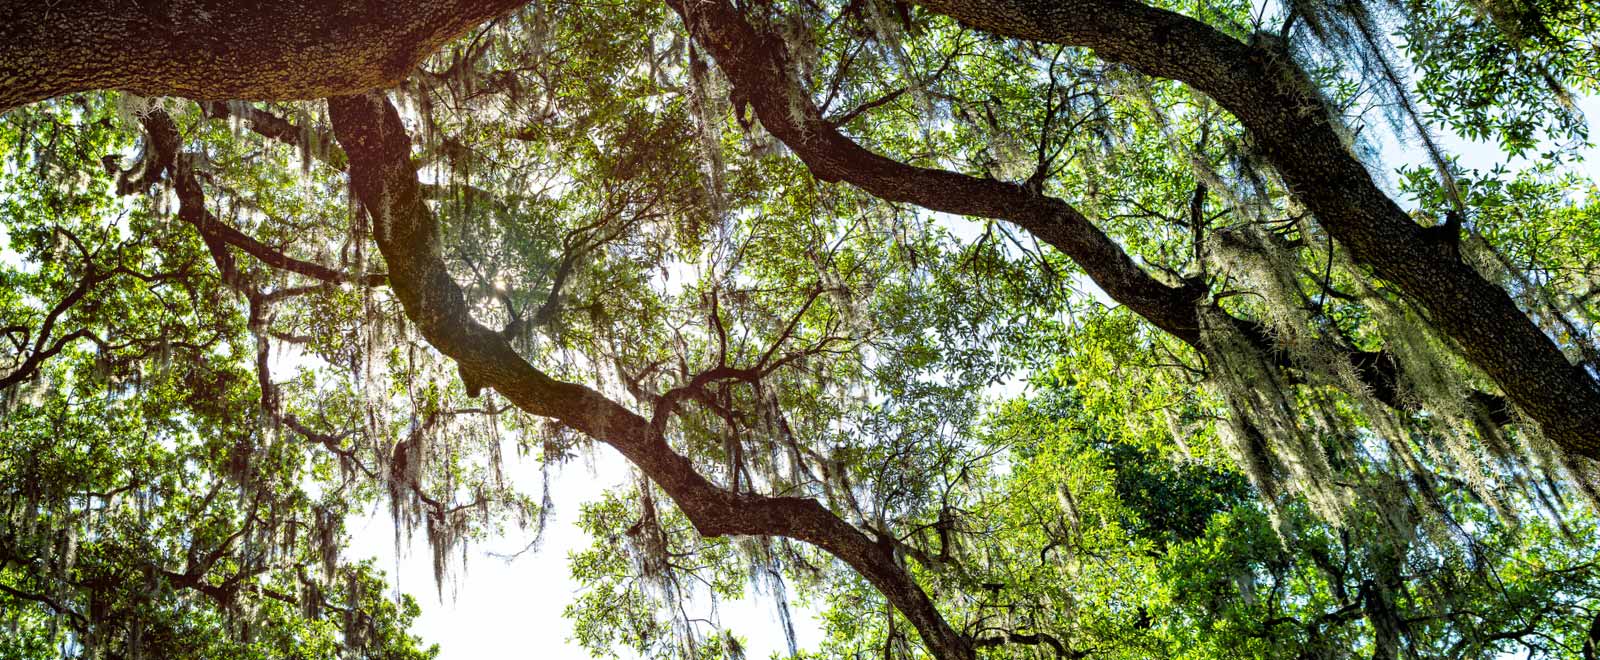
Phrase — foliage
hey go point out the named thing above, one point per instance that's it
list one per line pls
(205, 372)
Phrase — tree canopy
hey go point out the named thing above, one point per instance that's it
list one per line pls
(1013, 328)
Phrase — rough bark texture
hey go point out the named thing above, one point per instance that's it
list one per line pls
(1294, 133)
(222, 49)
(384, 180)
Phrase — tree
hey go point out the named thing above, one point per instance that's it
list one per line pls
(791, 360)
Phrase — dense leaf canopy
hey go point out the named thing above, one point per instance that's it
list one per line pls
(1074, 329)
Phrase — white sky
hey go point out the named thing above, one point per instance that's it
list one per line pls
(512, 609)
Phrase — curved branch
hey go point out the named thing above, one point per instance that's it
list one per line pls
(40, 351)
(1297, 135)
(756, 64)
(1031, 639)
(79, 622)
(208, 224)
(384, 180)
(163, 136)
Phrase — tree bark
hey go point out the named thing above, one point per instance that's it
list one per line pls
(222, 49)
(383, 177)
(1293, 131)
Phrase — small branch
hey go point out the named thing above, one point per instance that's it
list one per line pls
(847, 117)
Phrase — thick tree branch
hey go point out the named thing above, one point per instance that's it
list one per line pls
(1295, 133)
(370, 130)
(756, 65)
(220, 49)
(1033, 639)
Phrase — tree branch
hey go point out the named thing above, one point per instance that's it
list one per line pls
(381, 172)
(756, 64)
(1298, 136)
(220, 49)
